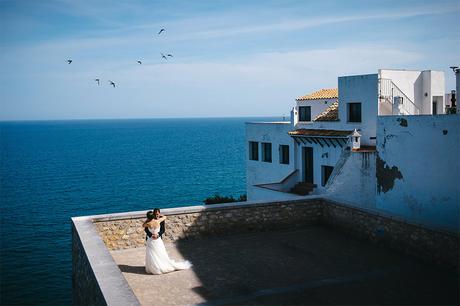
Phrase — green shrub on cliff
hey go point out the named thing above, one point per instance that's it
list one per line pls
(217, 199)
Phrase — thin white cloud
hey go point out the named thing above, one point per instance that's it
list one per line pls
(307, 22)
(221, 26)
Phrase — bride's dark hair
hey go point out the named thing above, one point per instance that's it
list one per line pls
(150, 215)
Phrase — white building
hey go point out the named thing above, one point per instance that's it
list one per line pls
(334, 131)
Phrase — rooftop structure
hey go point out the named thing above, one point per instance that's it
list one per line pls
(331, 93)
(331, 113)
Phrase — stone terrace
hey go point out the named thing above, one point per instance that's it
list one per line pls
(316, 251)
(310, 266)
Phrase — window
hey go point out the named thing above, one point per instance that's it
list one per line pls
(325, 174)
(267, 152)
(304, 113)
(284, 154)
(354, 112)
(253, 150)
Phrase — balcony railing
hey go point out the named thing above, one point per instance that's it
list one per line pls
(392, 96)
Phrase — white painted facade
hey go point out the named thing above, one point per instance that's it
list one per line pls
(353, 89)
(322, 156)
(317, 107)
(260, 172)
(418, 90)
(422, 88)
(353, 180)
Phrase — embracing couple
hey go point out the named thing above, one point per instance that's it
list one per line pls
(157, 260)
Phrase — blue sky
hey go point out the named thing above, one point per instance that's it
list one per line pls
(231, 58)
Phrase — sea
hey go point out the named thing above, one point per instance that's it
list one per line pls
(51, 171)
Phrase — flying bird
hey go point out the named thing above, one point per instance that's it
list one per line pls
(139, 62)
(164, 56)
(69, 61)
(97, 80)
(112, 83)
(170, 55)
(161, 31)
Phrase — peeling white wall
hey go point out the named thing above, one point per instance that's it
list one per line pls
(426, 153)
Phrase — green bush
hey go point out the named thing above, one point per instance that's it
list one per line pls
(217, 199)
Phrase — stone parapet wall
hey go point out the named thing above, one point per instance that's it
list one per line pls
(429, 244)
(126, 232)
(96, 279)
(121, 231)
(86, 290)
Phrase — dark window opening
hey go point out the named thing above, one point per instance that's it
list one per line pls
(304, 113)
(326, 173)
(284, 154)
(253, 150)
(267, 152)
(354, 112)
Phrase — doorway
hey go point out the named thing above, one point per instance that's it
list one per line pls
(307, 158)
(437, 105)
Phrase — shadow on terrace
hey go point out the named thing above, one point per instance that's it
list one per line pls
(284, 259)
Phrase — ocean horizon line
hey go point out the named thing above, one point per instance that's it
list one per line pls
(139, 118)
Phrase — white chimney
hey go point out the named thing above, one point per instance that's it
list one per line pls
(355, 140)
(294, 116)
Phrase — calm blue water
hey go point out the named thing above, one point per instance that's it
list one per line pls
(53, 170)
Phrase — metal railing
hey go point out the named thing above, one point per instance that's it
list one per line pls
(396, 98)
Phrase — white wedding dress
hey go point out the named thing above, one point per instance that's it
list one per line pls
(157, 260)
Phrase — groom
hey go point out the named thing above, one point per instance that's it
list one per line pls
(156, 215)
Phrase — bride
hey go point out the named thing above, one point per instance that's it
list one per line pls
(157, 260)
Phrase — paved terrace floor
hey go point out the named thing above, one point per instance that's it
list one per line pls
(311, 266)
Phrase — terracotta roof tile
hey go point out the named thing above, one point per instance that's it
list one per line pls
(317, 132)
(330, 93)
(329, 114)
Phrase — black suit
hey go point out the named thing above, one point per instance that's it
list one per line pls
(160, 233)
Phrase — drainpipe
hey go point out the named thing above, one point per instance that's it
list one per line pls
(457, 87)
(454, 96)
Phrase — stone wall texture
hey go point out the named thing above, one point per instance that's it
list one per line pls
(123, 233)
(429, 244)
(85, 288)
